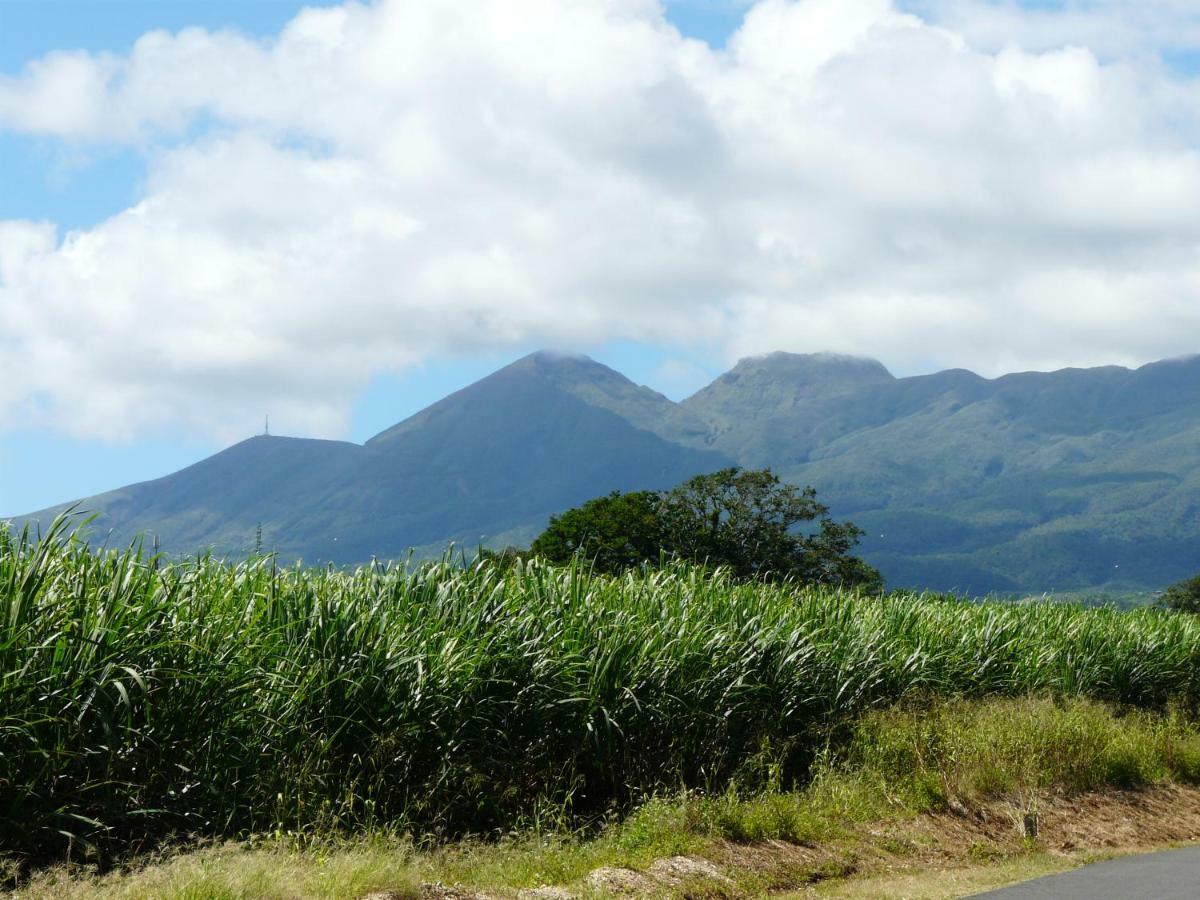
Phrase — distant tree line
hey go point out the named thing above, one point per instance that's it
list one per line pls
(1183, 597)
(749, 522)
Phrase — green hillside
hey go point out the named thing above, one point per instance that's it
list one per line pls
(1030, 482)
(1079, 479)
(486, 464)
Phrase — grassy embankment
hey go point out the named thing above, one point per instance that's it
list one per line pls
(856, 816)
(140, 701)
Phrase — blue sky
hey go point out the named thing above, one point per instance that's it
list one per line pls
(864, 203)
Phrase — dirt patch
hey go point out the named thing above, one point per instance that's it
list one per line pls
(778, 865)
(677, 870)
(682, 876)
(958, 838)
(1125, 819)
(431, 892)
(1107, 820)
(621, 881)
(961, 836)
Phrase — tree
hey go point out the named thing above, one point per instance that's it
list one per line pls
(762, 528)
(748, 521)
(1183, 597)
(617, 532)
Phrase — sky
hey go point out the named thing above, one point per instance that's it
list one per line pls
(335, 214)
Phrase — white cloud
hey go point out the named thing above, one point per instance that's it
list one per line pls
(383, 184)
(1111, 28)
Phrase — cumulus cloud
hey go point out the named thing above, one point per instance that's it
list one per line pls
(1111, 28)
(381, 184)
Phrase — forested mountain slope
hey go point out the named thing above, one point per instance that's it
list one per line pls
(1029, 482)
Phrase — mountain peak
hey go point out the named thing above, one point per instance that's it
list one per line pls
(598, 385)
(557, 365)
(777, 381)
(554, 359)
(552, 372)
(841, 366)
(764, 388)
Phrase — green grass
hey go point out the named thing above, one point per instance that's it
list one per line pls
(140, 700)
(984, 751)
(858, 804)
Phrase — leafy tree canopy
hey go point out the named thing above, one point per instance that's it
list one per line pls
(617, 532)
(1183, 597)
(748, 521)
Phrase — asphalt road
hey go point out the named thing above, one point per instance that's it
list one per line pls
(1170, 875)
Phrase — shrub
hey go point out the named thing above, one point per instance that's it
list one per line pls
(1184, 596)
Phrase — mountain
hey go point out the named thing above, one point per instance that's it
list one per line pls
(1083, 478)
(489, 463)
(772, 410)
(1029, 482)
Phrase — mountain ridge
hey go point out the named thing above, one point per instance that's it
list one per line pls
(441, 475)
(1028, 481)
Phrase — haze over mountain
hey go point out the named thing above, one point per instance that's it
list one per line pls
(1029, 482)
